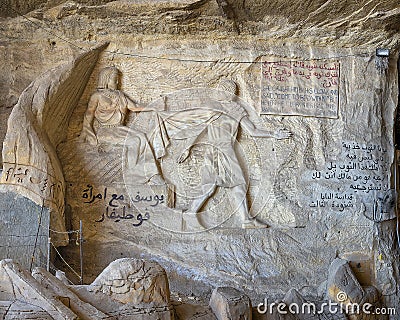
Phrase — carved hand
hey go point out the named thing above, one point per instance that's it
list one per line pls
(88, 136)
(185, 154)
(282, 134)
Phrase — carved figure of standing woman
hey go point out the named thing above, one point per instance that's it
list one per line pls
(104, 123)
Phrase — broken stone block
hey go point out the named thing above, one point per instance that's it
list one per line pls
(230, 304)
(303, 309)
(62, 277)
(84, 310)
(19, 310)
(18, 285)
(344, 289)
(134, 281)
(118, 310)
(193, 312)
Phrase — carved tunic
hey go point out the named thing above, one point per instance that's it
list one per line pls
(222, 165)
(111, 107)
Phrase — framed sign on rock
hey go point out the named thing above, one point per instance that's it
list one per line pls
(305, 88)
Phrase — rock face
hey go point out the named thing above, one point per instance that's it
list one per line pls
(323, 190)
(23, 237)
(35, 127)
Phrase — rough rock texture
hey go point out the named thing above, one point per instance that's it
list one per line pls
(130, 289)
(344, 288)
(82, 23)
(342, 280)
(230, 304)
(306, 188)
(43, 296)
(17, 310)
(84, 310)
(293, 297)
(353, 22)
(193, 312)
(22, 235)
(133, 281)
(17, 285)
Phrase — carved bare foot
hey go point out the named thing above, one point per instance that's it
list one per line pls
(253, 223)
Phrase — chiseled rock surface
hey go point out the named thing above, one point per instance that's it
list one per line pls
(18, 310)
(28, 298)
(214, 38)
(353, 22)
(320, 312)
(84, 310)
(133, 281)
(130, 289)
(343, 286)
(344, 289)
(43, 296)
(230, 304)
(187, 311)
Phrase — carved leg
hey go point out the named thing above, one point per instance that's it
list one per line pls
(208, 190)
(208, 183)
(240, 198)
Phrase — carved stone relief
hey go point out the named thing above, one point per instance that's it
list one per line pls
(159, 162)
(207, 120)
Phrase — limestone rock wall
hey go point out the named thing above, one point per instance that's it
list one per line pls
(324, 191)
(308, 191)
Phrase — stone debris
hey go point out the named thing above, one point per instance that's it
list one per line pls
(342, 280)
(133, 289)
(133, 281)
(193, 312)
(307, 309)
(84, 310)
(230, 304)
(61, 276)
(344, 289)
(27, 298)
(127, 289)
(120, 311)
(17, 310)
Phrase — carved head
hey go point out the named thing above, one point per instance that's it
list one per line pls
(109, 78)
(228, 85)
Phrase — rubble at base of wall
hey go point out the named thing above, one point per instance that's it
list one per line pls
(139, 290)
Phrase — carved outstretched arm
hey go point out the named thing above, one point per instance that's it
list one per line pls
(256, 132)
(133, 106)
(87, 133)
